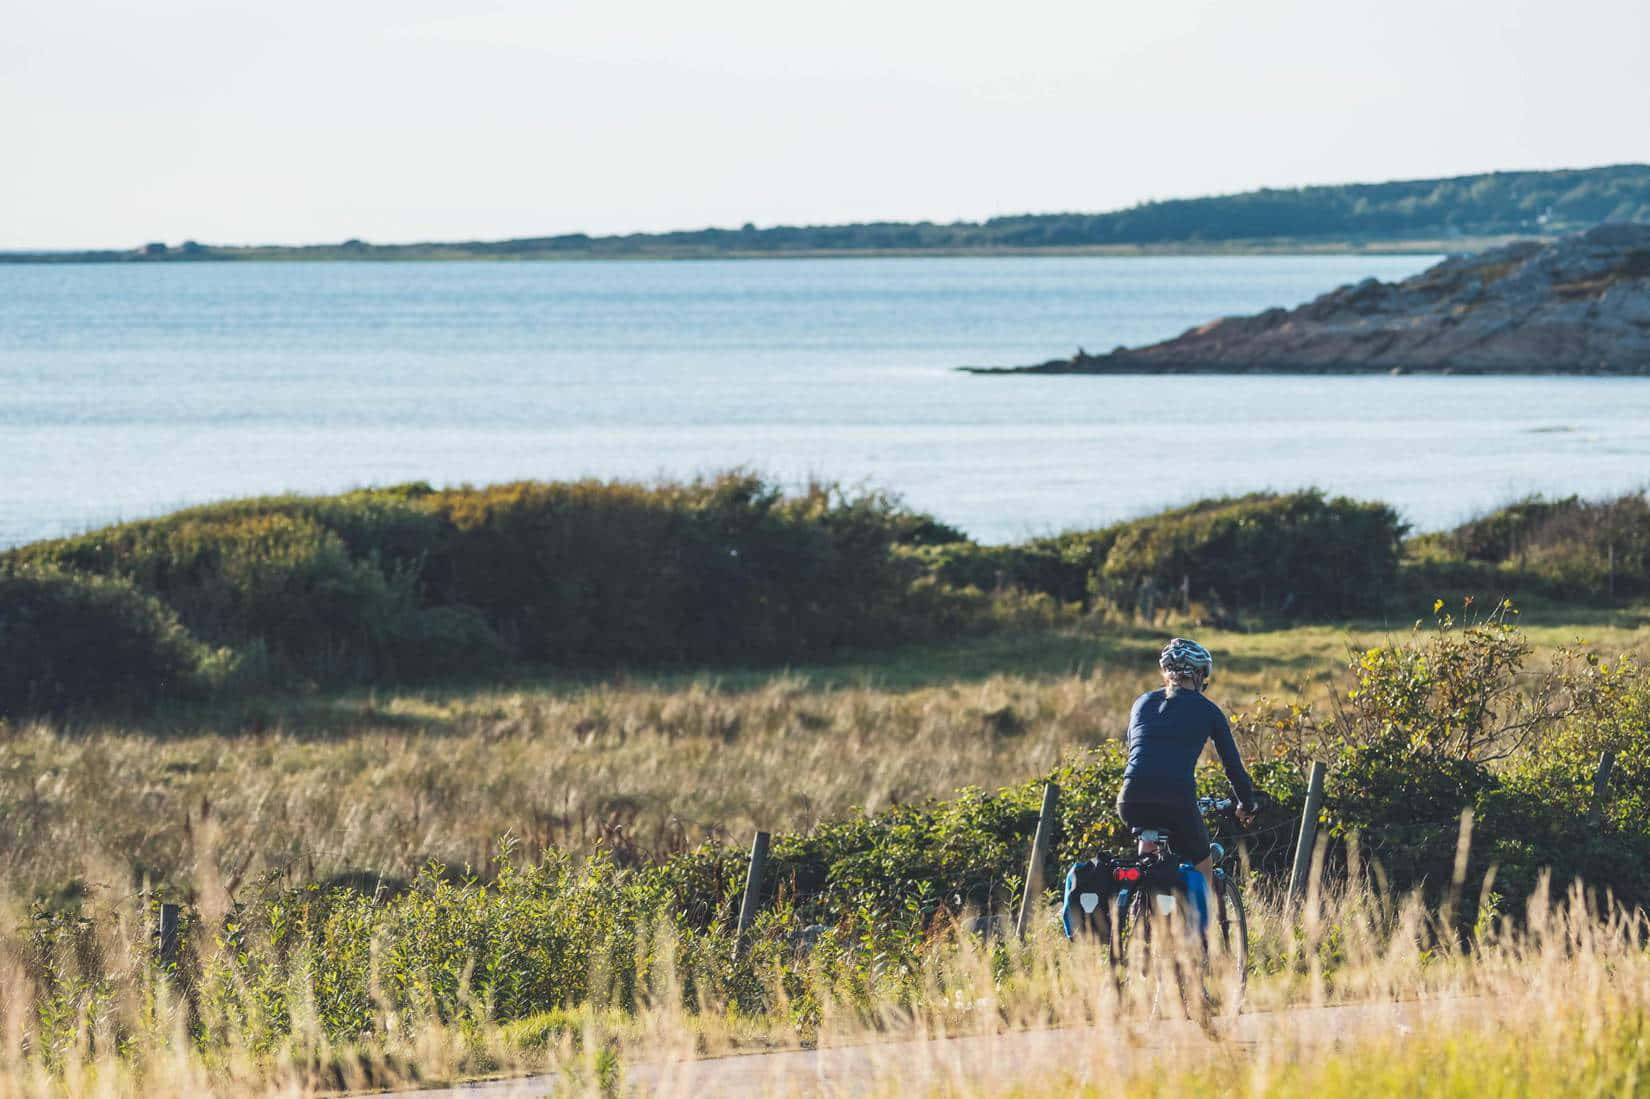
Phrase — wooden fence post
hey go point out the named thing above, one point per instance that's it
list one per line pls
(1601, 788)
(753, 890)
(1039, 854)
(1305, 843)
(166, 936)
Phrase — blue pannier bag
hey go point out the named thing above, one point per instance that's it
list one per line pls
(1091, 891)
(1197, 893)
(1088, 890)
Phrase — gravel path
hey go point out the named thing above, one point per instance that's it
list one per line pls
(918, 1066)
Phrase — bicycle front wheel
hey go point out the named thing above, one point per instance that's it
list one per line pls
(1233, 924)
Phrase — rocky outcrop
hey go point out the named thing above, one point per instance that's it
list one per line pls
(1573, 306)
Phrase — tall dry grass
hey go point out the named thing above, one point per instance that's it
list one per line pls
(375, 785)
(1359, 993)
(642, 770)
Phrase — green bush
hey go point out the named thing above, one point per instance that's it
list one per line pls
(1507, 531)
(1451, 719)
(409, 584)
(68, 640)
(1593, 549)
(1572, 549)
(323, 588)
(564, 934)
(1286, 556)
(713, 571)
(1299, 555)
(1303, 555)
(1059, 567)
(386, 525)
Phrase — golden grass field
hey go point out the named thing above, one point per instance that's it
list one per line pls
(1352, 994)
(375, 783)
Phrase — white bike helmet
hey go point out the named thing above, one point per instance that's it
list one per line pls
(1182, 655)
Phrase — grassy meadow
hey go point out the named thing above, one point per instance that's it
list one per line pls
(457, 783)
(1357, 992)
(371, 784)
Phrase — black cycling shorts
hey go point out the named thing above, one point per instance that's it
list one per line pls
(1188, 836)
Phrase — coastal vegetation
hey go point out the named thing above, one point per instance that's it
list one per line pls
(1425, 213)
(402, 872)
(544, 951)
(409, 584)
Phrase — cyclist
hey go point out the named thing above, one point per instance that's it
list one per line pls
(1167, 731)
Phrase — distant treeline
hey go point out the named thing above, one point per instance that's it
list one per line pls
(411, 584)
(1492, 204)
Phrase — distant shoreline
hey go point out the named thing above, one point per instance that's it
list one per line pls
(1328, 370)
(1454, 214)
(437, 254)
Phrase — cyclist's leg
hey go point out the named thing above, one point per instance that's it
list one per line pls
(1191, 841)
(1207, 869)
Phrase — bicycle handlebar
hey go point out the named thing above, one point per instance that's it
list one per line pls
(1223, 806)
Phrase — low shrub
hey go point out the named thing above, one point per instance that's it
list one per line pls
(408, 583)
(69, 640)
(728, 569)
(1295, 556)
(1059, 567)
(405, 584)
(1302, 556)
(1452, 720)
(1592, 551)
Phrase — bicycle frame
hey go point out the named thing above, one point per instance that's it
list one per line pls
(1104, 887)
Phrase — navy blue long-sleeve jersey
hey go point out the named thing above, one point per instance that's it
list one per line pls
(1166, 735)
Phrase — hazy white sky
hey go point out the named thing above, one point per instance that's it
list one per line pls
(303, 120)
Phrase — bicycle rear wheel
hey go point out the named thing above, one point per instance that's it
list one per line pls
(1162, 949)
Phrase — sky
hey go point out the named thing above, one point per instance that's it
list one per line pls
(321, 120)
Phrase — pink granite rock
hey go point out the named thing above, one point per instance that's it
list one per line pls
(1577, 305)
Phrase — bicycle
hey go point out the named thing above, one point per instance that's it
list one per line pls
(1120, 900)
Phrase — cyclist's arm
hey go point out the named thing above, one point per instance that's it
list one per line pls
(1227, 747)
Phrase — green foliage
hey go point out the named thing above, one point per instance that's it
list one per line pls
(409, 584)
(70, 640)
(1293, 556)
(322, 587)
(1452, 694)
(405, 584)
(1595, 551)
(1059, 567)
(1451, 719)
(1296, 555)
(1505, 532)
(713, 571)
(561, 935)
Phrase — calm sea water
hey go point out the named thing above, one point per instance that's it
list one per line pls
(126, 391)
